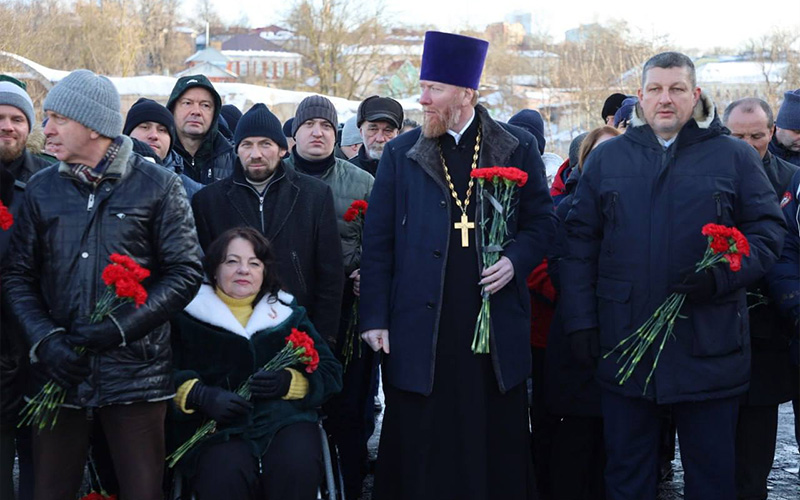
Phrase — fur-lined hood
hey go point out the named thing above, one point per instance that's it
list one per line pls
(704, 113)
(270, 312)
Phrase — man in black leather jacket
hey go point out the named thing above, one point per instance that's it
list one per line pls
(98, 200)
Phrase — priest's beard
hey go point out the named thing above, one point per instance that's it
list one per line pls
(437, 124)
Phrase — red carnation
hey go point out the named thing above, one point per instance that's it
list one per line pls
(735, 260)
(6, 219)
(360, 205)
(350, 215)
(300, 339)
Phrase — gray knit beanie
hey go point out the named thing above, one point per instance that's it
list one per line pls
(13, 95)
(89, 99)
(314, 106)
(789, 112)
(350, 133)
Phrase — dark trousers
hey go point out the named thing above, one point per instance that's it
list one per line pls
(291, 469)
(351, 419)
(756, 433)
(707, 436)
(543, 426)
(577, 459)
(135, 434)
(16, 443)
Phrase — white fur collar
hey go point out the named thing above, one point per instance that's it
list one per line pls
(704, 113)
(209, 308)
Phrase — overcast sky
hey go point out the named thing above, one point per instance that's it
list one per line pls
(687, 23)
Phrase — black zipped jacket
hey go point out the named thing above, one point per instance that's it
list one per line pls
(65, 232)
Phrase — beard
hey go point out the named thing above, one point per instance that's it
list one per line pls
(261, 175)
(438, 124)
(375, 151)
(10, 152)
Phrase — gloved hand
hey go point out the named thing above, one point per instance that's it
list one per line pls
(219, 404)
(698, 287)
(585, 345)
(271, 384)
(95, 336)
(61, 363)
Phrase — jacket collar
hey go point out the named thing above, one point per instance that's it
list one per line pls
(283, 189)
(497, 145)
(118, 168)
(703, 124)
(270, 312)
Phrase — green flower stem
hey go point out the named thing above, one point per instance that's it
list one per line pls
(285, 358)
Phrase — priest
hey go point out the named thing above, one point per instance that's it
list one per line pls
(456, 425)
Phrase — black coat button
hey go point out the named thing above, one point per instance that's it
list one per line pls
(437, 253)
(442, 203)
(430, 305)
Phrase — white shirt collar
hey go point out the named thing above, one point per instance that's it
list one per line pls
(457, 135)
(666, 143)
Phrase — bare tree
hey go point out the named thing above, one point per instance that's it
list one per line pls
(779, 62)
(342, 44)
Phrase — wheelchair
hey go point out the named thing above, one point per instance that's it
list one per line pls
(331, 489)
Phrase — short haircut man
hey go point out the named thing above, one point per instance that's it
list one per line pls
(99, 200)
(750, 119)
(351, 139)
(634, 237)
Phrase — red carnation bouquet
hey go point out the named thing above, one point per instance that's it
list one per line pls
(123, 279)
(726, 245)
(6, 219)
(497, 185)
(356, 213)
(299, 349)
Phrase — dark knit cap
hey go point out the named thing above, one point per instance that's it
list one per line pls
(232, 115)
(259, 121)
(789, 113)
(287, 127)
(184, 83)
(612, 104)
(575, 149)
(148, 110)
(312, 107)
(377, 108)
(623, 114)
(531, 121)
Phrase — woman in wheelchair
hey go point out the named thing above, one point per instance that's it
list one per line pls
(269, 447)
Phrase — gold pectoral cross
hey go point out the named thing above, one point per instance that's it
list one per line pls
(465, 225)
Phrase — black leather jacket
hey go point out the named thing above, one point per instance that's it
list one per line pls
(52, 274)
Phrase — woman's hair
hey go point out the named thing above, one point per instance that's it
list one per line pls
(591, 139)
(218, 250)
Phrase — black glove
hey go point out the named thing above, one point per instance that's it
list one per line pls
(95, 336)
(61, 363)
(219, 404)
(585, 345)
(698, 287)
(271, 384)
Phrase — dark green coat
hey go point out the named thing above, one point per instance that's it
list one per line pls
(210, 344)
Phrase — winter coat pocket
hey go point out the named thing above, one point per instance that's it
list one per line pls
(718, 327)
(613, 309)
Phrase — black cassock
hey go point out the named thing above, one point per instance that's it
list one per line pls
(465, 441)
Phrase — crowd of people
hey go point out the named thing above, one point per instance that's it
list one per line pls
(247, 230)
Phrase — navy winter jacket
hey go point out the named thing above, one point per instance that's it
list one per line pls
(405, 249)
(634, 229)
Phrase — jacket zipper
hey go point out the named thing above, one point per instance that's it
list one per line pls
(90, 205)
(718, 201)
(614, 196)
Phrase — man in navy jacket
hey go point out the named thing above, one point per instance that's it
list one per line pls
(634, 235)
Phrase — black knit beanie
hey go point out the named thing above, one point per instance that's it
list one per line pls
(259, 122)
(612, 104)
(314, 106)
